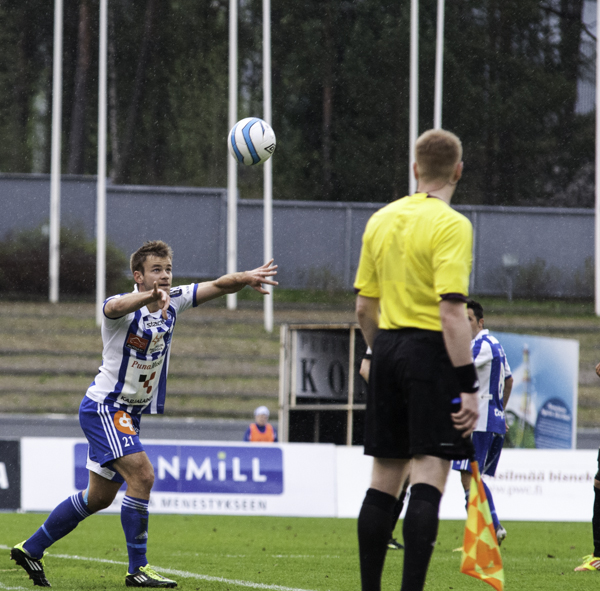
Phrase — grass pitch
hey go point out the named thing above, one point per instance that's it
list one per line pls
(216, 553)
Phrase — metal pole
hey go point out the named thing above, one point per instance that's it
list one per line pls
(268, 168)
(439, 66)
(231, 164)
(101, 180)
(54, 239)
(414, 92)
(597, 218)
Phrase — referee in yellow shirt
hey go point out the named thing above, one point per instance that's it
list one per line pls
(412, 283)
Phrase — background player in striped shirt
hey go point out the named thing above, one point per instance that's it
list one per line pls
(592, 561)
(495, 385)
(137, 330)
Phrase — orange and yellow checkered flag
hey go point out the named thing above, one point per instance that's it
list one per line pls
(481, 554)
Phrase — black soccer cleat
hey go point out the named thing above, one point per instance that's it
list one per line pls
(34, 567)
(394, 544)
(146, 576)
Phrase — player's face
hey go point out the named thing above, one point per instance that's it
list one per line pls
(476, 325)
(155, 269)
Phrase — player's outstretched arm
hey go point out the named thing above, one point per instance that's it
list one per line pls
(234, 282)
(118, 307)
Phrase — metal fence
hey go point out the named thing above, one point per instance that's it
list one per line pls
(537, 251)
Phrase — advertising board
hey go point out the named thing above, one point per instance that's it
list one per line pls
(10, 475)
(530, 485)
(304, 480)
(196, 477)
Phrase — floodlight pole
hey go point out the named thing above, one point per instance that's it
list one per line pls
(101, 180)
(54, 237)
(439, 66)
(231, 163)
(597, 216)
(414, 92)
(268, 167)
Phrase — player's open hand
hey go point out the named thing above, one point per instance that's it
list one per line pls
(465, 419)
(598, 370)
(163, 298)
(257, 277)
(365, 368)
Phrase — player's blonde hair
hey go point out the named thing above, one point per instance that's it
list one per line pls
(437, 152)
(156, 248)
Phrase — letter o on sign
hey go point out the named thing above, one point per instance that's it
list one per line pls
(336, 377)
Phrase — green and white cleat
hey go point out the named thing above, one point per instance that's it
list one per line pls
(148, 577)
(590, 562)
(34, 567)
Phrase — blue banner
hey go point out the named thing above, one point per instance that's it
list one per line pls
(206, 469)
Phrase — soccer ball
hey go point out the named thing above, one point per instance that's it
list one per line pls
(251, 141)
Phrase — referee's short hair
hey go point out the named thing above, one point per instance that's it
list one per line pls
(437, 152)
(156, 248)
(476, 307)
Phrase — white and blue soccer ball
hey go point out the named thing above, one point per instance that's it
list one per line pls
(251, 141)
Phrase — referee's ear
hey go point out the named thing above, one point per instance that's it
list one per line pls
(458, 170)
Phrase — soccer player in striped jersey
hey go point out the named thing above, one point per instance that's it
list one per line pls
(591, 562)
(137, 330)
(495, 385)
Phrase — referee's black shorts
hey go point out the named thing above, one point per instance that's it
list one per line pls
(411, 387)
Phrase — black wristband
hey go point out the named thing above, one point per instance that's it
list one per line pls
(368, 356)
(467, 378)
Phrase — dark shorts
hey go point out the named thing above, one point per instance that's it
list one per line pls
(411, 387)
(488, 447)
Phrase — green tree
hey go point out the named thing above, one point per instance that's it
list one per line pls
(340, 94)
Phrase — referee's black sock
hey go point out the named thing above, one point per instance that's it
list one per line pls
(420, 532)
(374, 532)
(596, 522)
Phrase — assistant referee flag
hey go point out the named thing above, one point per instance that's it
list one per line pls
(481, 554)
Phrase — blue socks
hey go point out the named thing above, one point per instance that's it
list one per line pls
(67, 516)
(134, 519)
(488, 494)
(63, 520)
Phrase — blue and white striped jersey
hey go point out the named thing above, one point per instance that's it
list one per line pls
(492, 369)
(135, 358)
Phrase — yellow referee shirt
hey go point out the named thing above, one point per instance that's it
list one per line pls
(416, 251)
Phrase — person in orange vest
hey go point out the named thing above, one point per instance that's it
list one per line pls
(261, 430)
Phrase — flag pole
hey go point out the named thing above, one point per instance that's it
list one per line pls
(101, 179)
(231, 163)
(54, 230)
(414, 92)
(597, 206)
(439, 66)
(268, 167)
